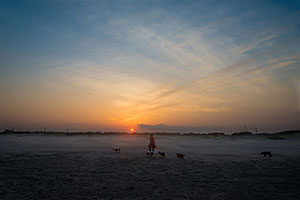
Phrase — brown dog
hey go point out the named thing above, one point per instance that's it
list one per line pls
(179, 155)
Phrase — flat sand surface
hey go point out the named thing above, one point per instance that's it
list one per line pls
(85, 167)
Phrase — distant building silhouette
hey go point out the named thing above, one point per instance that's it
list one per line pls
(8, 131)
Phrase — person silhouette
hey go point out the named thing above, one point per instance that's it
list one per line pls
(151, 145)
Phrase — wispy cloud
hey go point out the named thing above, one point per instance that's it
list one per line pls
(174, 63)
(272, 30)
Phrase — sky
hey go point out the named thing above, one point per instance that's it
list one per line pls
(150, 64)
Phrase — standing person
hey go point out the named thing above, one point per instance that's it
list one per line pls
(152, 145)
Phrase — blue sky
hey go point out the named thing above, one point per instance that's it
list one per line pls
(114, 64)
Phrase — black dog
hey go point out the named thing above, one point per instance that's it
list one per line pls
(163, 154)
(179, 155)
(115, 149)
(266, 153)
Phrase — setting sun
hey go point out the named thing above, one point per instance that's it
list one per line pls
(132, 129)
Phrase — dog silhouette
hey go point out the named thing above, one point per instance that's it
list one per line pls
(179, 155)
(115, 149)
(163, 154)
(266, 153)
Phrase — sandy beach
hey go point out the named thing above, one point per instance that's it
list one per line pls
(85, 167)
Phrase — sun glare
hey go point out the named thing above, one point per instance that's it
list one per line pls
(132, 129)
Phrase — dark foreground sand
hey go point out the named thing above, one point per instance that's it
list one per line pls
(101, 174)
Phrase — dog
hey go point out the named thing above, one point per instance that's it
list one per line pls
(163, 154)
(179, 155)
(266, 153)
(115, 149)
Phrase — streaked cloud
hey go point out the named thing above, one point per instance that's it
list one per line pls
(118, 64)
